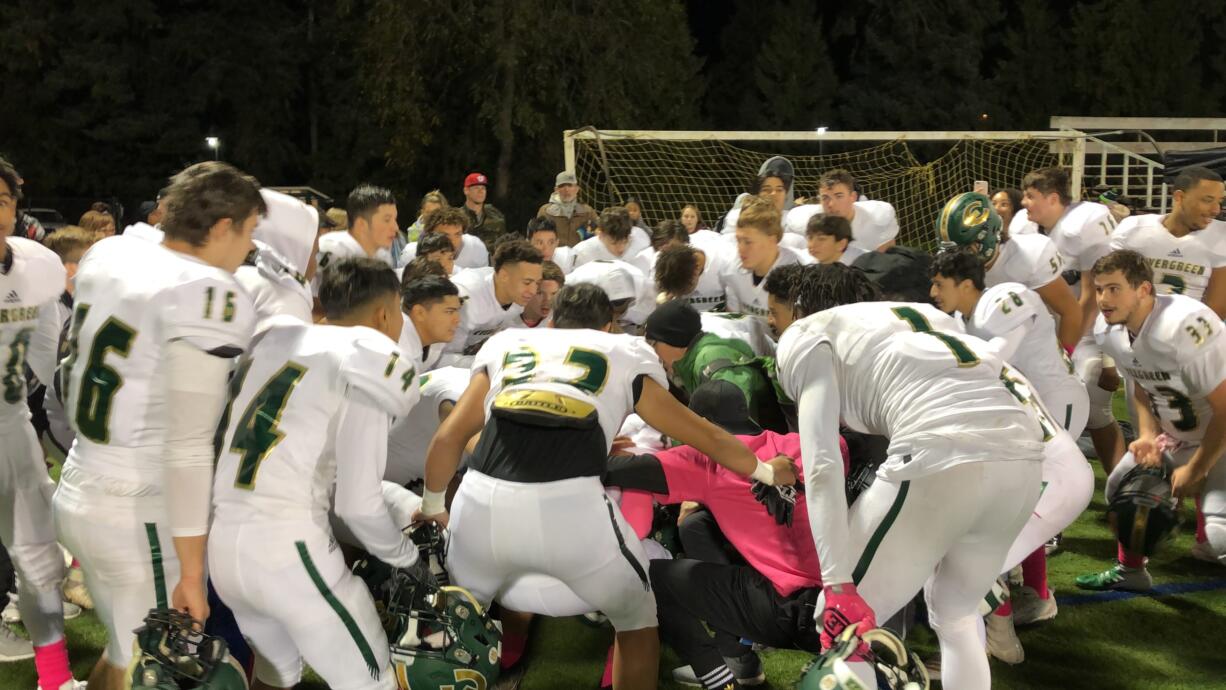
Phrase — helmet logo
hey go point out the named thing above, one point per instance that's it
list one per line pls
(975, 213)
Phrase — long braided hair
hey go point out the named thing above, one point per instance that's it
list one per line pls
(823, 286)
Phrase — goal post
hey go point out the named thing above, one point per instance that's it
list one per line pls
(915, 171)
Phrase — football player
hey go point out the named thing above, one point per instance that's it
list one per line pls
(874, 224)
(493, 300)
(1014, 321)
(150, 351)
(32, 278)
(962, 476)
(470, 252)
(372, 227)
(411, 434)
(278, 280)
(615, 239)
(305, 432)
(1172, 350)
(537, 311)
(547, 405)
(758, 232)
(431, 307)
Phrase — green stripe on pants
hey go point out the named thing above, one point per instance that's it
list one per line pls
(351, 625)
(155, 556)
(874, 543)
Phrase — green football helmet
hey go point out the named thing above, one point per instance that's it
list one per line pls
(440, 636)
(171, 654)
(1146, 512)
(896, 667)
(968, 220)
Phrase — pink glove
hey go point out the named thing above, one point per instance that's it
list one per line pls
(844, 606)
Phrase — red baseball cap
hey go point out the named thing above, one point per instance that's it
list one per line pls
(475, 179)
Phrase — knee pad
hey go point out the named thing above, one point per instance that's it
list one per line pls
(953, 627)
(40, 566)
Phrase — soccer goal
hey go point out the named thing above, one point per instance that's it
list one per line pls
(915, 171)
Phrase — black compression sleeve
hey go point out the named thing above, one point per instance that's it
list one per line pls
(637, 472)
(638, 388)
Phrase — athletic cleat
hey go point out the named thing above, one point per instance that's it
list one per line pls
(11, 613)
(14, 647)
(71, 610)
(684, 675)
(1052, 545)
(1002, 639)
(746, 668)
(1202, 551)
(1117, 577)
(75, 590)
(1029, 609)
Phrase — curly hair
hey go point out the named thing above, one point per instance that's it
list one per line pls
(823, 286)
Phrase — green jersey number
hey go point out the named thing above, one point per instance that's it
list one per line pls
(257, 433)
(99, 382)
(1004, 304)
(1024, 395)
(963, 354)
(1179, 402)
(14, 377)
(517, 367)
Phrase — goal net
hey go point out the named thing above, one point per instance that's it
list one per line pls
(665, 173)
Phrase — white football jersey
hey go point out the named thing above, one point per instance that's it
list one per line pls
(31, 282)
(424, 359)
(481, 316)
(1179, 357)
(473, 253)
(709, 294)
(1032, 260)
(747, 295)
(1010, 306)
(278, 454)
(873, 224)
(638, 252)
(753, 331)
(906, 372)
(123, 319)
(1082, 235)
(796, 220)
(564, 258)
(342, 245)
(411, 434)
(1181, 265)
(592, 367)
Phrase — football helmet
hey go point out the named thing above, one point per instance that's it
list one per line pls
(968, 220)
(896, 666)
(171, 654)
(1146, 512)
(440, 637)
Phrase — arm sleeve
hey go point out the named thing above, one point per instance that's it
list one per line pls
(195, 396)
(817, 412)
(45, 343)
(361, 442)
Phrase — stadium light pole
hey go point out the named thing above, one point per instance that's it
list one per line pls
(215, 144)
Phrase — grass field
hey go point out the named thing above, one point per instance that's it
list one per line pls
(1111, 642)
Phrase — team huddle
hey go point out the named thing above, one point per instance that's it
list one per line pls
(381, 459)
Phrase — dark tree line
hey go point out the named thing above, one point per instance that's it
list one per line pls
(109, 97)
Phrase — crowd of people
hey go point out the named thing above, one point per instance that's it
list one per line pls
(296, 437)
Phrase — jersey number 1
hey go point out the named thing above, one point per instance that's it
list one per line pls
(963, 354)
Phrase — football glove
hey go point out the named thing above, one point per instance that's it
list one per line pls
(844, 606)
(780, 501)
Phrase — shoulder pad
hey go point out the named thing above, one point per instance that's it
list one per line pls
(375, 366)
(212, 312)
(1003, 308)
(1046, 258)
(42, 273)
(1185, 328)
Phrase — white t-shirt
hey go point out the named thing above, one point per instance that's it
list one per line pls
(1178, 357)
(124, 319)
(1182, 265)
(594, 367)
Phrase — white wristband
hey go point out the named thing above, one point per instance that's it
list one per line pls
(764, 473)
(433, 502)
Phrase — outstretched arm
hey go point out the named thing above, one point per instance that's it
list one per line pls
(447, 446)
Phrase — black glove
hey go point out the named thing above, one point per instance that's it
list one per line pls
(780, 501)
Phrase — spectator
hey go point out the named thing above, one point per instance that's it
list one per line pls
(432, 201)
(569, 216)
(543, 235)
(635, 209)
(700, 234)
(830, 240)
(99, 223)
(1007, 203)
(470, 252)
(485, 222)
